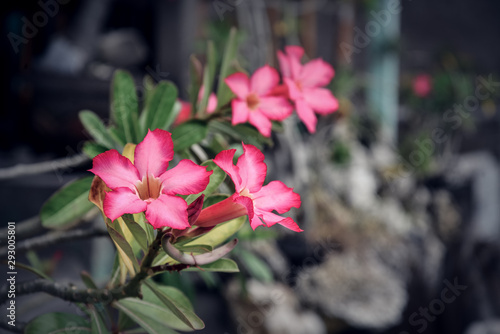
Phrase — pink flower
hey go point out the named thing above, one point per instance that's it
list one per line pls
(422, 85)
(254, 102)
(304, 84)
(185, 113)
(147, 185)
(250, 197)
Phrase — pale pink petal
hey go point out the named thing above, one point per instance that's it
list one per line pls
(295, 67)
(264, 80)
(293, 90)
(153, 153)
(168, 211)
(255, 222)
(212, 103)
(184, 179)
(294, 51)
(239, 84)
(316, 73)
(240, 111)
(321, 100)
(276, 196)
(115, 170)
(276, 108)
(261, 122)
(121, 201)
(271, 218)
(252, 168)
(184, 114)
(286, 71)
(225, 161)
(306, 114)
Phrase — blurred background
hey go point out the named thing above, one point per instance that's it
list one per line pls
(400, 187)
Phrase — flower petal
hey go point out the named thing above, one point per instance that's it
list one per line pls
(276, 108)
(225, 161)
(184, 114)
(252, 168)
(115, 170)
(271, 218)
(293, 90)
(316, 73)
(321, 100)
(261, 122)
(184, 179)
(240, 111)
(239, 84)
(276, 196)
(294, 51)
(248, 204)
(212, 103)
(168, 211)
(306, 114)
(121, 201)
(286, 71)
(264, 80)
(153, 153)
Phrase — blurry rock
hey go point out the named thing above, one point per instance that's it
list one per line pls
(491, 326)
(358, 290)
(123, 48)
(270, 308)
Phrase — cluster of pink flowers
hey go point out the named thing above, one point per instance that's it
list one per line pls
(261, 98)
(145, 185)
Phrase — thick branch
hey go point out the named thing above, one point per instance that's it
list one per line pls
(42, 167)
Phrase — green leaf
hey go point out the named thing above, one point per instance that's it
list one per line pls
(195, 69)
(96, 323)
(187, 134)
(92, 149)
(198, 249)
(221, 265)
(223, 92)
(255, 266)
(125, 251)
(220, 233)
(214, 199)
(152, 314)
(33, 270)
(96, 128)
(208, 77)
(125, 106)
(137, 231)
(57, 322)
(87, 280)
(118, 136)
(216, 179)
(180, 306)
(67, 205)
(160, 112)
(240, 132)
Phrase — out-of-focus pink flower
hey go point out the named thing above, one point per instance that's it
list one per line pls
(147, 185)
(422, 85)
(250, 197)
(305, 84)
(185, 113)
(254, 101)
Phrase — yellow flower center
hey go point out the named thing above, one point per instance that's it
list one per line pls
(252, 101)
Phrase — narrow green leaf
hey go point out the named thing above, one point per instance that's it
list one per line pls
(58, 323)
(96, 323)
(92, 149)
(67, 205)
(125, 106)
(208, 77)
(188, 133)
(33, 270)
(195, 74)
(87, 280)
(125, 251)
(220, 233)
(137, 231)
(223, 91)
(255, 266)
(221, 265)
(216, 179)
(117, 135)
(149, 88)
(125, 322)
(160, 112)
(96, 128)
(176, 302)
(198, 249)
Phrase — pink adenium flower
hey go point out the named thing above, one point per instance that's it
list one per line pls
(185, 112)
(422, 85)
(147, 185)
(251, 197)
(254, 102)
(305, 84)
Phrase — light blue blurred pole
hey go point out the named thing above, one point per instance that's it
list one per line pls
(384, 67)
